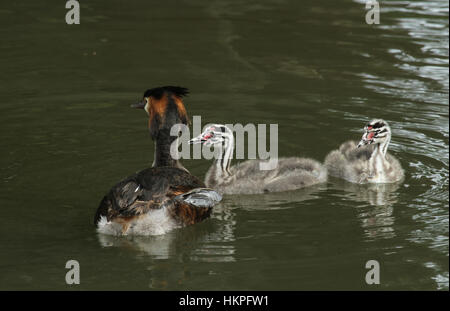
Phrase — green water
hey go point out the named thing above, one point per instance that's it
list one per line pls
(313, 67)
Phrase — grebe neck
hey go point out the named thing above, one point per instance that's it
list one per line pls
(378, 162)
(222, 164)
(380, 149)
(162, 155)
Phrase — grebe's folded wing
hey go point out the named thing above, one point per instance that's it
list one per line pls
(193, 206)
(200, 197)
(155, 188)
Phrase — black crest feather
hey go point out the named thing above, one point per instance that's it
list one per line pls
(158, 92)
(378, 125)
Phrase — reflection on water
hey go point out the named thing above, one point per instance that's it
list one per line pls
(157, 247)
(377, 215)
(206, 243)
(209, 242)
(168, 256)
(378, 222)
(275, 200)
(373, 194)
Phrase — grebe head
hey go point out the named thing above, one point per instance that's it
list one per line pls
(164, 106)
(213, 134)
(376, 132)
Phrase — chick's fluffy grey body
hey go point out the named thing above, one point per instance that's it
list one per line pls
(247, 177)
(353, 164)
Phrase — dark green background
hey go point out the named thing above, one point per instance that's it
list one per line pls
(314, 67)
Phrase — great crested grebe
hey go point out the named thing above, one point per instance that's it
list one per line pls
(367, 161)
(246, 177)
(166, 196)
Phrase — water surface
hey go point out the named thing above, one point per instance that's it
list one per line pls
(313, 67)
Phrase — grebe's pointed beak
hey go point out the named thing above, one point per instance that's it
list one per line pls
(197, 140)
(139, 105)
(361, 143)
(367, 139)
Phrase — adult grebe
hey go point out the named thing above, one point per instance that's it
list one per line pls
(246, 177)
(166, 196)
(368, 161)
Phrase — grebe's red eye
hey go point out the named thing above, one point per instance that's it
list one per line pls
(369, 127)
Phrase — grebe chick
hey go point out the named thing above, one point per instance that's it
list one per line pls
(246, 177)
(166, 196)
(367, 161)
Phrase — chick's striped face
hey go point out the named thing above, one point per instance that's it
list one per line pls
(376, 131)
(213, 134)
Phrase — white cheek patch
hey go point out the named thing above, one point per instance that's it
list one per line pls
(146, 108)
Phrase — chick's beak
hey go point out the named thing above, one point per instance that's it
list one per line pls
(197, 140)
(366, 139)
(139, 105)
(362, 143)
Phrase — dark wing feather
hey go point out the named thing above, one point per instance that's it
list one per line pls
(145, 190)
(193, 206)
(200, 197)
